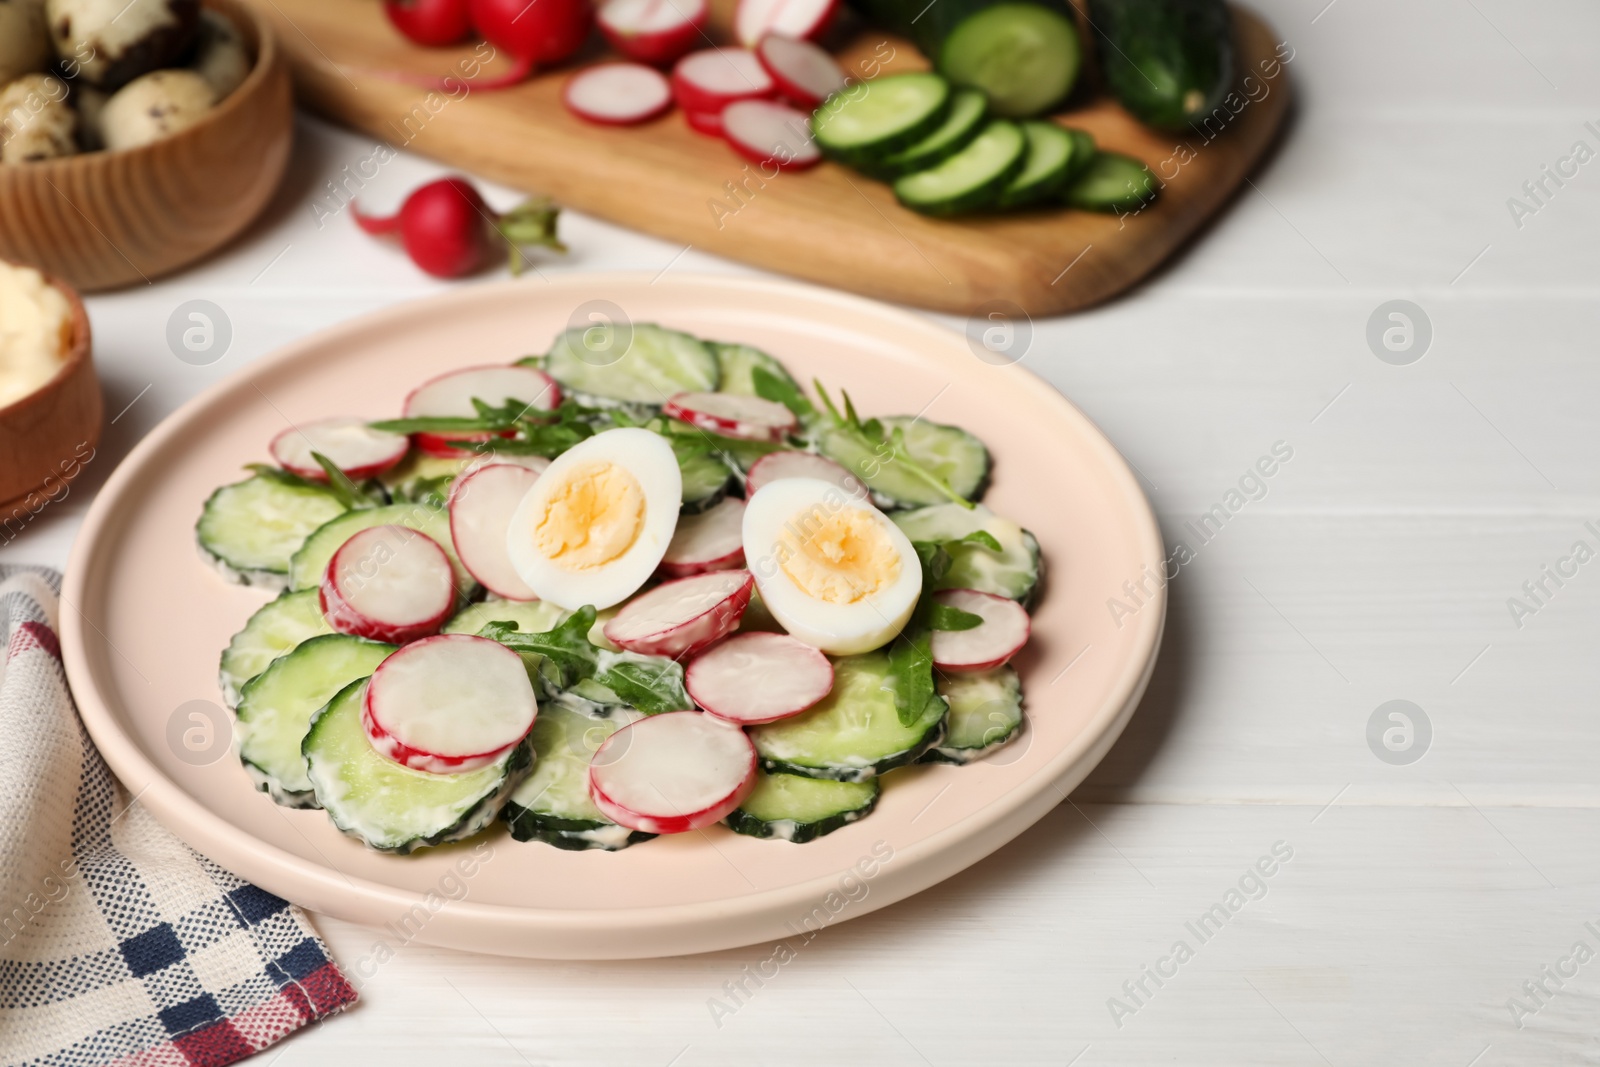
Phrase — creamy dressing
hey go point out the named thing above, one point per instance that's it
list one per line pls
(35, 332)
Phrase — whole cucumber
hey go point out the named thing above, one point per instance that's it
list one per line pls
(1169, 62)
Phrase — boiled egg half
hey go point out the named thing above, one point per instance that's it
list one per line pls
(831, 568)
(595, 525)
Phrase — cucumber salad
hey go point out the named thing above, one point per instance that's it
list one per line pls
(605, 597)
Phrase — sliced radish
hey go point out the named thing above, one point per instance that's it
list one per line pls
(672, 773)
(706, 122)
(617, 94)
(749, 418)
(800, 19)
(351, 445)
(712, 78)
(764, 132)
(710, 541)
(388, 583)
(481, 505)
(680, 618)
(780, 465)
(449, 704)
(754, 678)
(451, 395)
(1000, 636)
(804, 72)
(653, 31)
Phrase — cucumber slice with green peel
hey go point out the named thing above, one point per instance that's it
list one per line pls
(250, 530)
(873, 119)
(274, 630)
(854, 733)
(1024, 56)
(531, 616)
(964, 120)
(641, 363)
(796, 809)
(309, 563)
(1012, 572)
(971, 179)
(393, 808)
(738, 364)
(985, 713)
(1083, 152)
(276, 708)
(705, 480)
(1111, 182)
(552, 804)
(950, 452)
(1044, 172)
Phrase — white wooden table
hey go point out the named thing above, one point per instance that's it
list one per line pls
(1419, 898)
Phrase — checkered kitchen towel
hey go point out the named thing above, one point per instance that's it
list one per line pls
(118, 944)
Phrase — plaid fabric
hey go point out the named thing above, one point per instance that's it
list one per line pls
(118, 944)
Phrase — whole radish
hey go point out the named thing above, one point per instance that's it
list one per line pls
(540, 31)
(449, 231)
(434, 23)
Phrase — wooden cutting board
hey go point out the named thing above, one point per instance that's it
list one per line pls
(829, 224)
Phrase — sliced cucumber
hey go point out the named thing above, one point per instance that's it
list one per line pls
(792, 808)
(1050, 151)
(638, 364)
(390, 807)
(1024, 56)
(705, 480)
(276, 707)
(532, 617)
(1111, 182)
(424, 478)
(968, 107)
(738, 362)
(985, 713)
(873, 119)
(273, 631)
(854, 733)
(1012, 572)
(305, 570)
(971, 179)
(552, 804)
(949, 451)
(250, 529)
(1083, 153)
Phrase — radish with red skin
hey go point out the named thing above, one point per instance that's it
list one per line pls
(709, 80)
(547, 32)
(449, 231)
(706, 122)
(617, 94)
(672, 773)
(657, 32)
(766, 132)
(1001, 635)
(449, 704)
(749, 418)
(710, 541)
(801, 19)
(779, 465)
(350, 444)
(432, 23)
(805, 73)
(681, 617)
(481, 505)
(390, 584)
(754, 678)
(451, 395)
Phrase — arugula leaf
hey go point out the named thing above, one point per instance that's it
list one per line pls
(911, 674)
(978, 537)
(349, 493)
(870, 437)
(566, 647)
(769, 386)
(950, 617)
(653, 684)
(911, 654)
(283, 477)
(435, 491)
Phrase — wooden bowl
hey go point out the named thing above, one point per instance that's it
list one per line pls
(49, 436)
(102, 220)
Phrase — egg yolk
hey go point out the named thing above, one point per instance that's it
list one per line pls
(838, 557)
(591, 517)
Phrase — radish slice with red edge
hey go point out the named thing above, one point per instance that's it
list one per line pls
(800, 19)
(657, 32)
(680, 618)
(754, 678)
(749, 418)
(617, 94)
(804, 72)
(710, 541)
(672, 773)
(451, 395)
(449, 704)
(712, 78)
(481, 505)
(350, 444)
(764, 132)
(779, 465)
(388, 583)
(1000, 636)
(706, 122)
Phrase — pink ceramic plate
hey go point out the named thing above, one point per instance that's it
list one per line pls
(151, 620)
